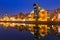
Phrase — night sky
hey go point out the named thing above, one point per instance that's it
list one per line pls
(13, 7)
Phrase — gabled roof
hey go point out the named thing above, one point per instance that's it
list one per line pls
(40, 9)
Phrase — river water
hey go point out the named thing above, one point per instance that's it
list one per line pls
(15, 34)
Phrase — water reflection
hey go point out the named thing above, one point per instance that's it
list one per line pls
(43, 29)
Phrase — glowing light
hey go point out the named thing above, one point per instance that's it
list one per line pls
(12, 19)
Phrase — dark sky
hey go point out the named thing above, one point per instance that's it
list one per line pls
(15, 6)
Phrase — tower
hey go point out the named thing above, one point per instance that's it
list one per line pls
(36, 29)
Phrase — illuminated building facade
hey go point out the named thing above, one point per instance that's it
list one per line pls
(38, 14)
